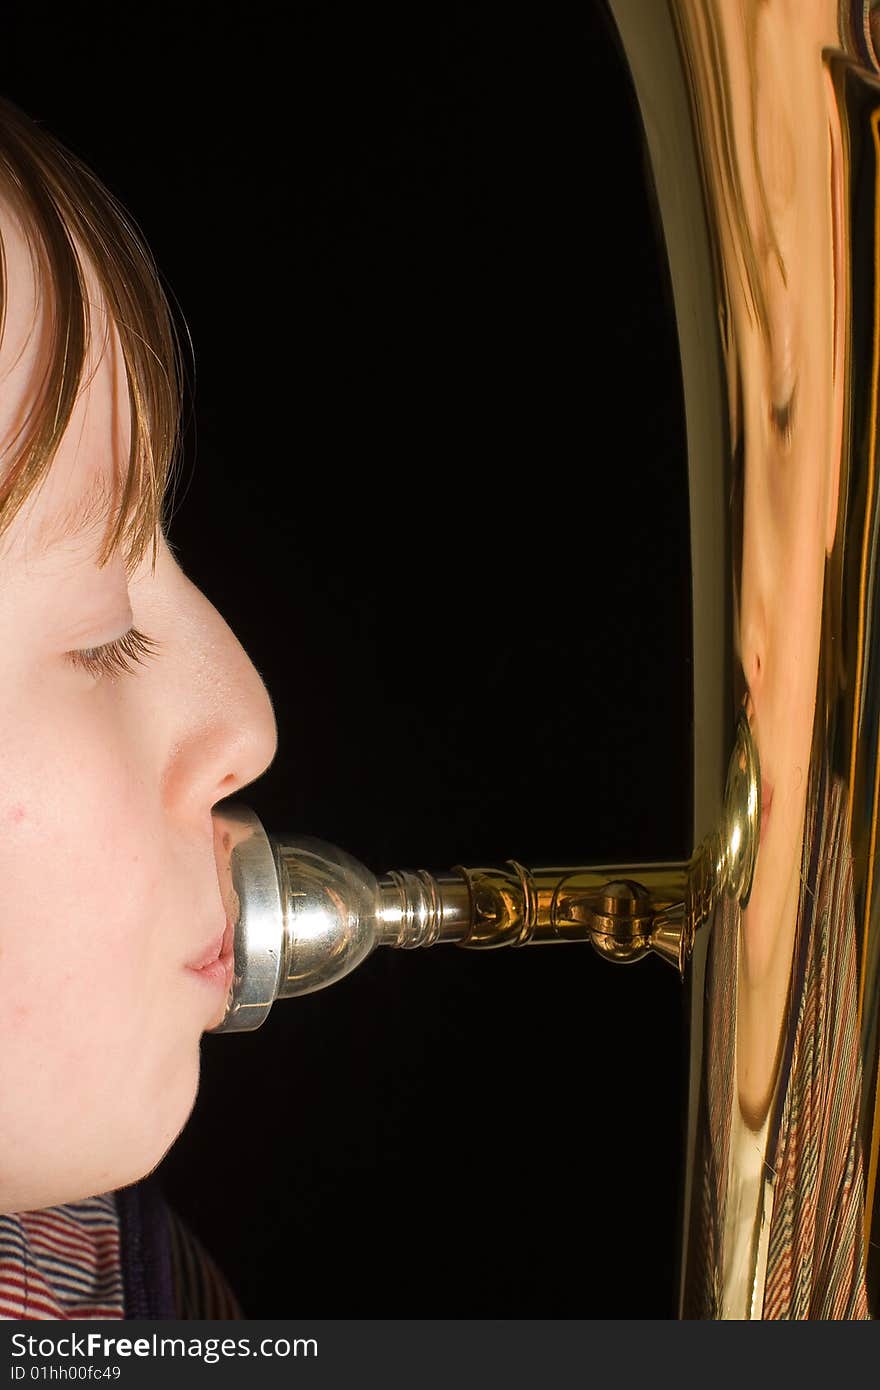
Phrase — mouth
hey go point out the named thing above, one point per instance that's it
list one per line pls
(216, 962)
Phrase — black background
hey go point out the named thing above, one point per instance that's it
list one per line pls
(436, 482)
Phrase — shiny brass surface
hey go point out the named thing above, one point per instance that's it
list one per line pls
(762, 122)
(306, 913)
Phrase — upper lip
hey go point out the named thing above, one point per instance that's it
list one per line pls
(220, 946)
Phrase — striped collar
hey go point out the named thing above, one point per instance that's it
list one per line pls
(62, 1262)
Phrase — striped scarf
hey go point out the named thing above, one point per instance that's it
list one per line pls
(815, 1260)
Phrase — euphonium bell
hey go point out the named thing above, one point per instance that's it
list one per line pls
(762, 125)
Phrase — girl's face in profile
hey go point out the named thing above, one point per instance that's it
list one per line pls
(107, 860)
(792, 428)
(787, 140)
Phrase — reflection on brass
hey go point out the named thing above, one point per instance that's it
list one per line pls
(762, 123)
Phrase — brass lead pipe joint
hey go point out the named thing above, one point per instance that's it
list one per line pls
(305, 913)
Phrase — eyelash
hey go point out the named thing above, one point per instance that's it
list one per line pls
(117, 658)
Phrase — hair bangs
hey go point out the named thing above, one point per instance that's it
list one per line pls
(64, 208)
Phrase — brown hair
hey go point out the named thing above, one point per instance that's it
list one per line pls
(58, 199)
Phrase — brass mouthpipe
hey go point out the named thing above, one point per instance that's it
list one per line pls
(305, 913)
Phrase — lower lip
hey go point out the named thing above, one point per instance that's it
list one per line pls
(218, 974)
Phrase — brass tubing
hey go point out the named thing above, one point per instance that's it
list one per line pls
(514, 906)
(305, 913)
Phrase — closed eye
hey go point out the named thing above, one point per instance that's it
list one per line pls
(117, 658)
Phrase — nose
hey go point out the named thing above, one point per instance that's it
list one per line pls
(252, 739)
(225, 734)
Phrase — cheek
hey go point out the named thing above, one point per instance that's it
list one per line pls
(69, 747)
(88, 976)
(99, 1031)
(75, 849)
(79, 874)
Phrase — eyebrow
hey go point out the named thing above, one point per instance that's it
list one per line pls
(80, 518)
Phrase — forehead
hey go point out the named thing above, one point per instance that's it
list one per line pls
(93, 453)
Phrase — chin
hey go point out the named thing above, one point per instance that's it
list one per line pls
(156, 1127)
(111, 1147)
(760, 925)
(769, 918)
(754, 941)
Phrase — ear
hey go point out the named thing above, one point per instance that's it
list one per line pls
(840, 318)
